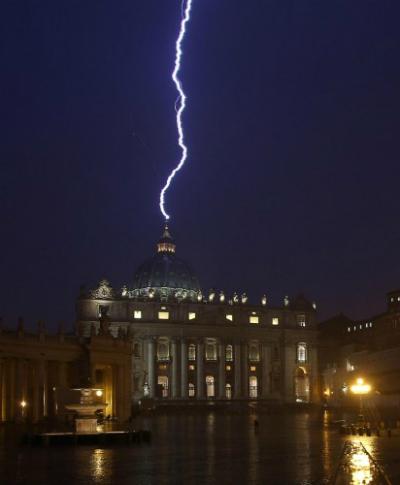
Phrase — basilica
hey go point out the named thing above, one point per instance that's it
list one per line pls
(190, 344)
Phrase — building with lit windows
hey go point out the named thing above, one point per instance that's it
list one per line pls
(192, 345)
(369, 348)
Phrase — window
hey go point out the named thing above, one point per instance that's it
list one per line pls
(211, 352)
(253, 388)
(254, 319)
(360, 326)
(192, 352)
(191, 367)
(354, 328)
(254, 353)
(348, 329)
(228, 391)
(301, 320)
(192, 390)
(163, 351)
(253, 368)
(275, 321)
(162, 382)
(229, 353)
(302, 352)
(163, 315)
(137, 314)
(228, 367)
(191, 315)
(210, 386)
(229, 317)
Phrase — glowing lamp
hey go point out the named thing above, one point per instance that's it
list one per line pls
(99, 393)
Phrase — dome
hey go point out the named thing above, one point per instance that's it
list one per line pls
(165, 274)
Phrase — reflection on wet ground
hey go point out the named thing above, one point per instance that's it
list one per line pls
(195, 447)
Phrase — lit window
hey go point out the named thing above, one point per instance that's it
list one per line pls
(348, 329)
(360, 326)
(229, 317)
(192, 390)
(254, 353)
(191, 316)
(229, 353)
(137, 314)
(162, 367)
(253, 368)
(163, 351)
(163, 315)
(191, 367)
(354, 328)
(228, 367)
(302, 352)
(301, 320)
(370, 324)
(275, 321)
(254, 319)
(392, 299)
(192, 352)
(398, 298)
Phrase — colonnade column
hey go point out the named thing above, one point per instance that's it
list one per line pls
(43, 385)
(221, 373)
(245, 370)
(200, 369)
(151, 375)
(266, 370)
(1, 392)
(184, 369)
(237, 357)
(174, 352)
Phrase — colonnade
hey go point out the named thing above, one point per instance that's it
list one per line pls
(240, 372)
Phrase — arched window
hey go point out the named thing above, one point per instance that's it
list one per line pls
(229, 353)
(163, 351)
(254, 353)
(211, 352)
(192, 390)
(210, 386)
(253, 387)
(228, 391)
(301, 352)
(192, 352)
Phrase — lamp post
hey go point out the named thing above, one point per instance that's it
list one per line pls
(360, 388)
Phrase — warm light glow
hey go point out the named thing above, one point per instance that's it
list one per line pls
(275, 321)
(191, 367)
(23, 404)
(163, 315)
(326, 392)
(228, 367)
(229, 317)
(254, 319)
(192, 315)
(137, 314)
(99, 393)
(253, 368)
(360, 387)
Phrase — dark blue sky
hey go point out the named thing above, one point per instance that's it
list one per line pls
(292, 182)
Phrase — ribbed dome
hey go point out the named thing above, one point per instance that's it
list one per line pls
(165, 273)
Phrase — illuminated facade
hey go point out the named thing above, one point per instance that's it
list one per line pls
(188, 345)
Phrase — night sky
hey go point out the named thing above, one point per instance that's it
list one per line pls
(292, 122)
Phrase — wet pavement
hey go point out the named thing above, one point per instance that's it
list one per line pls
(210, 447)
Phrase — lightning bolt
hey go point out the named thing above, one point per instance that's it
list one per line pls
(180, 102)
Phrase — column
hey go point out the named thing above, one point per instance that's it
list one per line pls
(36, 392)
(221, 369)
(266, 370)
(11, 394)
(289, 356)
(43, 386)
(151, 356)
(200, 370)
(237, 357)
(174, 387)
(313, 379)
(184, 369)
(245, 370)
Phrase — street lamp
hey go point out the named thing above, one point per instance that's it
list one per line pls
(360, 388)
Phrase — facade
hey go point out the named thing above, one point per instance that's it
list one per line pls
(188, 345)
(369, 348)
(38, 372)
